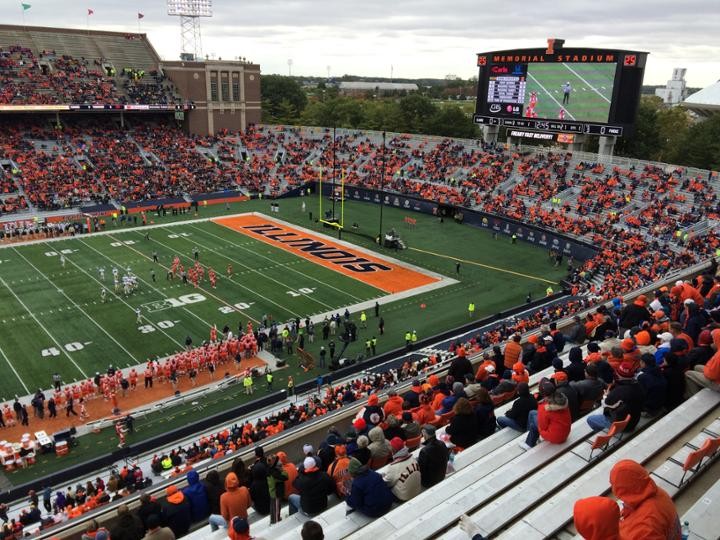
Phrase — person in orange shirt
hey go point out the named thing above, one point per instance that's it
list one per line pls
(597, 518)
(393, 405)
(520, 374)
(648, 511)
(513, 351)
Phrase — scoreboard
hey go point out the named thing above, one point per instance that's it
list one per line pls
(580, 91)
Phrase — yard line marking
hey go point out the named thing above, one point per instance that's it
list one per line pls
(288, 310)
(485, 266)
(113, 293)
(60, 347)
(241, 246)
(258, 272)
(205, 291)
(77, 306)
(583, 80)
(27, 390)
(551, 96)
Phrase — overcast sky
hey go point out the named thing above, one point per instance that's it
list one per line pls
(418, 38)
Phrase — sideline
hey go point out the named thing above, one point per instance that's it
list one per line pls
(497, 269)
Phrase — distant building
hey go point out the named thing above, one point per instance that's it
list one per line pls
(356, 88)
(226, 94)
(705, 102)
(675, 90)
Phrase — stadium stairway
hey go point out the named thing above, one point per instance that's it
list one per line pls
(555, 511)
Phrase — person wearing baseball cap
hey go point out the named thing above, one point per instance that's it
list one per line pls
(433, 458)
(402, 474)
(313, 487)
(703, 352)
(625, 398)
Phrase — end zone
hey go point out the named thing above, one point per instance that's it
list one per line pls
(379, 271)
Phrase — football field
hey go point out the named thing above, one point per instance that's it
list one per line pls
(53, 317)
(591, 95)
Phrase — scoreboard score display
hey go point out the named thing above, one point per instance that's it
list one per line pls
(581, 91)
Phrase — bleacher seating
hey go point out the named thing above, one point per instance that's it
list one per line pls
(703, 517)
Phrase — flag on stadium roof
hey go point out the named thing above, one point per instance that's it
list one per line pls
(90, 12)
(140, 15)
(25, 6)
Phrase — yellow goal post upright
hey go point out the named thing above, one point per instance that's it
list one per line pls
(335, 193)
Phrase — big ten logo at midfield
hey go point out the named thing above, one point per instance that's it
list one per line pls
(167, 303)
(318, 249)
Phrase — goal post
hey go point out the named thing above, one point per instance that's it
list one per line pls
(337, 194)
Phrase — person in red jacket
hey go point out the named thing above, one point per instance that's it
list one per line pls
(552, 419)
(597, 518)
(648, 511)
(707, 376)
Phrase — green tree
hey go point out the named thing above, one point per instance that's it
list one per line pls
(277, 93)
(672, 125)
(700, 146)
(451, 121)
(416, 111)
(644, 143)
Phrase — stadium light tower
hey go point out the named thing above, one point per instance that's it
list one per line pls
(190, 12)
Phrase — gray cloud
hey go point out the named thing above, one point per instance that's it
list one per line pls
(364, 37)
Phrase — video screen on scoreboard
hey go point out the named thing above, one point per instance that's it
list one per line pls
(580, 92)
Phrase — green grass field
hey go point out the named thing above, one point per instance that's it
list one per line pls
(592, 88)
(52, 319)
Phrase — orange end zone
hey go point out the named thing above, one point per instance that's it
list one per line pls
(374, 271)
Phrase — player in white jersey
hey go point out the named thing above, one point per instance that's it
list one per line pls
(116, 283)
(101, 271)
(103, 295)
(139, 317)
(62, 260)
(115, 272)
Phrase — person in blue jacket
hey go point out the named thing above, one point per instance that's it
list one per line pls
(197, 495)
(369, 493)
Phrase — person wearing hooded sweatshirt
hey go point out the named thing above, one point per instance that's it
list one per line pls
(576, 368)
(128, 526)
(379, 446)
(403, 473)
(703, 352)
(373, 413)
(552, 419)
(214, 489)
(625, 397)
(412, 396)
(707, 376)
(148, 507)
(176, 510)
(234, 502)
(337, 470)
(393, 405)
(369, 493)
(597, 518)
(313, 487)
(648, 511)
(654, 384)
(634, 314)
(291, 469)
(197, 497)
(463, 427)
(516, 417)
(259, 487)
(590, 390)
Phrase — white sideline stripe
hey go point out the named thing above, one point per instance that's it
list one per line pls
(551, 96)
(13, 370)
(256, 271)
(113, 293)
(182, 346)
(586, 82)
(60, 347)
(286, 265)
(77, 306)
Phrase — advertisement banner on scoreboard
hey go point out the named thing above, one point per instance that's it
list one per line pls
(527, 233)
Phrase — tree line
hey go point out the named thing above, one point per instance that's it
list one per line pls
(663, 134)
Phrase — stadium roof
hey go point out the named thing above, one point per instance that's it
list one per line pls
(706, 101)
(372, 85)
